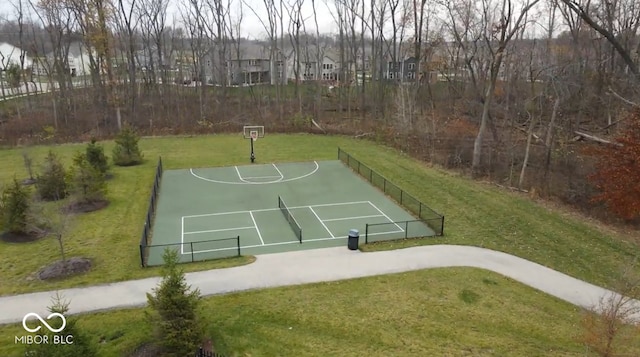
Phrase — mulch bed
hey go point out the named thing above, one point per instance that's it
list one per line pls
(10, 237)
(85, 207)
(146, 350)
(60, 269)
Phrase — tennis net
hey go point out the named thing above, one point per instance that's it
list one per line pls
(290, 218)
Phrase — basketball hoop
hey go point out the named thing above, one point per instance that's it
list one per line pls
(254, 135)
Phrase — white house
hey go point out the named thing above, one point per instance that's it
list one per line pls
(78, 59)
(10, 54)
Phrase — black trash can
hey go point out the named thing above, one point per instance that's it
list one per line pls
(354, 236)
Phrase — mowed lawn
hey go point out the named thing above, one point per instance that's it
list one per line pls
(476, 214)
(436, 312)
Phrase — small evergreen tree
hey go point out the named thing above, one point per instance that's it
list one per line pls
(126, 152)
(28, 164)
(14, 208)
(96, 157)
(82, 344)
(88, 183)
(175, 304)
(52, 183)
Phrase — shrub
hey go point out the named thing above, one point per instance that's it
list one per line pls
(52, 183)
(83, 345)
(175, 304)
(88, 183)
(126, 152)
(14, 208)
(96, 157)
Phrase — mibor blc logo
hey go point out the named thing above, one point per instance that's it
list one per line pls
(30, 326)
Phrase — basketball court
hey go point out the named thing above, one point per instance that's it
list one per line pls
(208, 213)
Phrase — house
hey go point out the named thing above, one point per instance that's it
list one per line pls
(327, 69)
(78, 63)
(402, 71)
(245, 63)
(12, 55)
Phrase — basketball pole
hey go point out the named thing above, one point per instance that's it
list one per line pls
(253, 156)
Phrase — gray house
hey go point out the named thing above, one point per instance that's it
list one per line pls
(245, 64)
(402, 71)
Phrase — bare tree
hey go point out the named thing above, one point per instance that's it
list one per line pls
(610, 9)
(497, 34)
(613, 323)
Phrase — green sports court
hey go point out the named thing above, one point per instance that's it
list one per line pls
(210, 213)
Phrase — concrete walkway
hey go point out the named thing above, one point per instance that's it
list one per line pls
(311, 266)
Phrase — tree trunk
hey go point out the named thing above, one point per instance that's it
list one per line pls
(525, 162)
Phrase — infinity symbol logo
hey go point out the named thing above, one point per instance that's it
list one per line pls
(44, 322)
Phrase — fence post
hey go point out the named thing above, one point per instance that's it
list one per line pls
(370, 175)
(419, 209)
(141, 255)
(191, 244)
(358, 167)
(401, 196)
(366, 233)
(406, 228)
(384, 185)
(442, 226)
(238, 243)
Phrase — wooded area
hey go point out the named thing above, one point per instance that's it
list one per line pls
(505, 90)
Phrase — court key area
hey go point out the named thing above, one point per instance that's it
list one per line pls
(209, 213)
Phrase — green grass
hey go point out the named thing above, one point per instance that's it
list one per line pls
(476, 214)
(419, 313)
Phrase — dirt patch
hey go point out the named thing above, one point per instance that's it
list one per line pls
(10, 237)
(28, 182)
(146, 350)
(85, 207)
(60, 269)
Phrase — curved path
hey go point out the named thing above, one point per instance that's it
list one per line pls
(310, 266)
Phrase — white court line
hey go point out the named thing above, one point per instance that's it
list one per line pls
(280, 243)
(387, 217)
(324, 225)
(182, 236)
(260, 177)
(276, 167)
(220, 230)
(277, 209)
(256, 227)
(347, 218)
(257, 183)
(239, 176)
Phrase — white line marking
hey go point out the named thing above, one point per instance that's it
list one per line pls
(279, 243)
(260, 177)
(387, 217)
(276, 209)
(182, 236)
(219, 230)
(257, 183)
(347, 218)
(325, 226)
(276, 167)
(256, 227)
(239, 176)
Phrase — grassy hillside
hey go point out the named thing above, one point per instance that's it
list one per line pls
(476, 214)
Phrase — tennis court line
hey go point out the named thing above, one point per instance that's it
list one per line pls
(387, 217)
(218, 230)
(276, 209)
(256, 227)
(321, 222)
(347, 218)
(280, 243)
